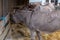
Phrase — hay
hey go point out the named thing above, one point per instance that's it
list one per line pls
(26, 33)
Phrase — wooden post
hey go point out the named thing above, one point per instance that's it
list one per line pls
(49, 1)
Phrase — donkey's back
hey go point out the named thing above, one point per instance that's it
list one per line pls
(46, 21)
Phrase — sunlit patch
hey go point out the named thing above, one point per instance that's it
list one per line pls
(52, 36)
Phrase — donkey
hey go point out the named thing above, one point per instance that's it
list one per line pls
(38, 21)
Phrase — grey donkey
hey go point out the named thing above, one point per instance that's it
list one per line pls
(40, 21)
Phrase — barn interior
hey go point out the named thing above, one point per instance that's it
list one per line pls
(13, 27)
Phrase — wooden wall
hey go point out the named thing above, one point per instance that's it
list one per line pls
(11, 4)
(15, 3)
(5, 7)
(0, 8)
(22, 2)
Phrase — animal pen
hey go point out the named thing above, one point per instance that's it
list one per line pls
(29, 20)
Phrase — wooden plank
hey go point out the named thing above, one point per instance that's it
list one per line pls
(2, 37)
(2, 24)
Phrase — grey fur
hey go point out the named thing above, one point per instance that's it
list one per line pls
(40, 21)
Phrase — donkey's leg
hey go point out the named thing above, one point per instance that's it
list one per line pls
(33, 34)
(39, 35)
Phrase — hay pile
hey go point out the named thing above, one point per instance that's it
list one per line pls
(21, 32)
(52, 36)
